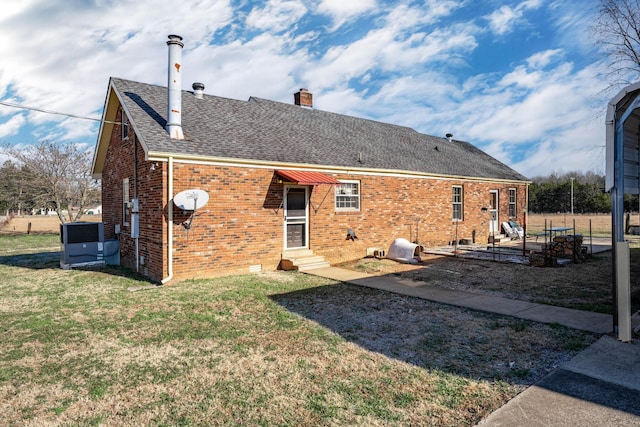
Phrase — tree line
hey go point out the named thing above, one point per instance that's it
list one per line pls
(552, 194)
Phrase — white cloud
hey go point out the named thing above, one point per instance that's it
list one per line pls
(573, 24)
(277, 15)
(340, 8)
(12, 126)
(260, 67)
(342, 11)
(521, 77)
(62, 67)
(404, 16)
(556, 114)
(394, 47)
(559, 152)
(550, 102)
(503, 20)
(12, 8)
(542, 59)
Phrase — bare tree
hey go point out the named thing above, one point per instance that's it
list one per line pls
(62, 177)
(617, 32)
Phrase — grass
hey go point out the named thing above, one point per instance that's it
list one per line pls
(80, 348)
(21, 244)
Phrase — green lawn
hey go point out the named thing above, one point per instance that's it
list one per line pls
(104, 347)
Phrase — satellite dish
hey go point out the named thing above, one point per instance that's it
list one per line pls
(191, 200)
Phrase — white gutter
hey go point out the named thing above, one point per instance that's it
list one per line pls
(263, 164)
(169, 225)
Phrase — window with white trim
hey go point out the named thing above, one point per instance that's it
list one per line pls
(457, 199)
(348, 196)
(125, 202)
(512, 202)
(125, 127)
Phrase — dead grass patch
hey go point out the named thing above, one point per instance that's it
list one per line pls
(583, 286)
(597, 224)
(39, 224)
(280, 349)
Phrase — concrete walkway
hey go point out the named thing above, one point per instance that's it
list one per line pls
(600, 386)
(576, 319)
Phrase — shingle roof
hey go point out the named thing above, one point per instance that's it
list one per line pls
(259, 129)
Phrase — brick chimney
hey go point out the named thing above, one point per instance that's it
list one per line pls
(303, 98)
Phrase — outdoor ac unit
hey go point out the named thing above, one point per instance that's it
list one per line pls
(81, 244)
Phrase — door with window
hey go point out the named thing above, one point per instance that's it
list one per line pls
(296, 217)
(493, 212)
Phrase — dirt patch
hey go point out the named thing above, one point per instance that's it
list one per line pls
(583, 286)
(436, 336)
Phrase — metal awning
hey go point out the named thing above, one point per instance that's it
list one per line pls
(623, 177)
(307, 177)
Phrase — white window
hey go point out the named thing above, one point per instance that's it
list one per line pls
(348, 196)
(125, 127)
(125, 202)
(457, 199)
(512, 202)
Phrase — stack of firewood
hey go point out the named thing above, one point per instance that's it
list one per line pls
(565, 246)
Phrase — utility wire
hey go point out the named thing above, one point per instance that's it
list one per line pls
(42, 110)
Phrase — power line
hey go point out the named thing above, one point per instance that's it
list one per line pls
(42, 110)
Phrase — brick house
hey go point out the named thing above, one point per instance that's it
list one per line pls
(283, 180)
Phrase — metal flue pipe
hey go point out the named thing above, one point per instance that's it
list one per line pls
(174, 85)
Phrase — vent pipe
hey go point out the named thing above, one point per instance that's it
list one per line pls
(174, 84)
(198, 90)
(449, 136)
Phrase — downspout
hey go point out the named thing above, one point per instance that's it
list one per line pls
(135, 215)
(174, 128)
(524, 220)
(169, 225)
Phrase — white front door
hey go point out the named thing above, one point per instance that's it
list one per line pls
(493, 212)
(296, 217)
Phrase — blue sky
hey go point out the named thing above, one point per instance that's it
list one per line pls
(519, 79)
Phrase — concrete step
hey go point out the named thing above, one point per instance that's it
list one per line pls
(302, 260)
(297, 253)
(308, 260)
(497, 238)
(313, 266)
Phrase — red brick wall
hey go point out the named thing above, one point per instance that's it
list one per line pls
(125, 159)
(411, 208)
(242, 224)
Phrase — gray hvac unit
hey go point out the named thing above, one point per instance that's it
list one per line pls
(81, 244)
(112, 252)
